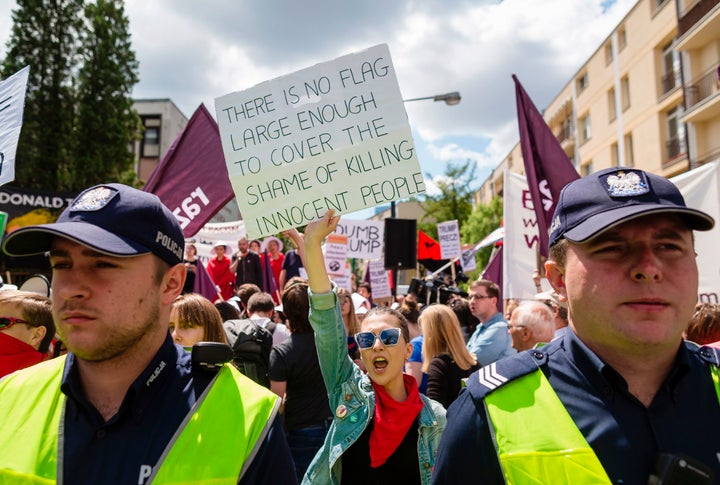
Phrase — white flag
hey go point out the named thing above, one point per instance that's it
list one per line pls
(12, 102)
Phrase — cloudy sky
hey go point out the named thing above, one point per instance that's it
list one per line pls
(193, 52)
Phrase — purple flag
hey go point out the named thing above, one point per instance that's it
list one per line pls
(269, 283)
(192, 180)
(494, 272)
(204, 285)
(547, 168)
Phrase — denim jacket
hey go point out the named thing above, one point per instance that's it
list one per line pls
(352, 399)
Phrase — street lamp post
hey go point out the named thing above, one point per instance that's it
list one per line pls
(451, 99)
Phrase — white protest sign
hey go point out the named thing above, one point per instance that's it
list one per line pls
(467, 260)
(335, 254)
(331, 136)
(365, 238)
(449, 239)
(379, 281)
(344, 280)
(213, 232)
(12, 102)
(521, 239)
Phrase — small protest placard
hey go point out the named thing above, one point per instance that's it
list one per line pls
(12, 103)
(449, 239)
(379, 280)
(335, 254)
(344, 280)
(331, 136)
(365, 238)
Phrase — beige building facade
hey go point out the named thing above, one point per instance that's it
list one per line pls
(646, 98)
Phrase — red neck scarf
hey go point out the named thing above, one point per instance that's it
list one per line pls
(16, 354)
(392, 420)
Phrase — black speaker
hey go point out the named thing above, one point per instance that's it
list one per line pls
(400, 243)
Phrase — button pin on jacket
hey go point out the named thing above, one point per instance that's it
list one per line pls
(341, 411)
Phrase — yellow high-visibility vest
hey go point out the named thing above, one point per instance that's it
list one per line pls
(34, 404)
(536, 439)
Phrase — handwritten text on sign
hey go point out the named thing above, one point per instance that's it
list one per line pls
(449, 239)
(332, 136)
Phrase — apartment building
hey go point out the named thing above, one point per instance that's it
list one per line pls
(163, 122)
(646, 98)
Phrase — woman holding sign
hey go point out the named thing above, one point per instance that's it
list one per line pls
(384, 430)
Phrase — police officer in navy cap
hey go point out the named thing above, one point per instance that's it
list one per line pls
(620, 397)
(127, 405)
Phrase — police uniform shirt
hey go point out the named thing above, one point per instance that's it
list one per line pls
(684, 416)
(124, 449)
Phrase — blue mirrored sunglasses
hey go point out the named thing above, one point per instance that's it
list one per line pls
(389, 336)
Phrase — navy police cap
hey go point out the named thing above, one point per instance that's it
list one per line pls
(112, 219)
(595, 203)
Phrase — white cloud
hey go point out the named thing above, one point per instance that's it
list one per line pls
(193, 52)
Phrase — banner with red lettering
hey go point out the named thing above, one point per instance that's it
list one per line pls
(521, 240)
(192, 179)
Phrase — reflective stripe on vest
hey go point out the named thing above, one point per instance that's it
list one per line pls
(37, 405)
(520, 413)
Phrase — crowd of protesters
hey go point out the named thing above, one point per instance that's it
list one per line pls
(363, 385)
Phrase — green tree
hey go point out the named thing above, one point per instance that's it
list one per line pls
(46, 36)
(483, 220)
(106, 123)
(455, 199)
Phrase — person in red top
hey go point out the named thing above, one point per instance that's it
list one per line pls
(275, 257)
(219, 270)
(26, 329)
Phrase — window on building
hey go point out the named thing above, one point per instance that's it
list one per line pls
(671, 68)
(584, 128)
(675, 133)
(625, 91)
(151, 137)
(586, 168)
(614, 155)
(629, 152)
(608, 53)
(612, 112)
(622, 38)
(582, 82)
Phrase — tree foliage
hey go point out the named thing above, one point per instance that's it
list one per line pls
(484, 220)
(455, 199)
(78, 120)
(106, 122)
(46, 36)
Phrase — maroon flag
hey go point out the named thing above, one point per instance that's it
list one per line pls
(494, 272)
(192, 180)
(204, 285)
(547, 168)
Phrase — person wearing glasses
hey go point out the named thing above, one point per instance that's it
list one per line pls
(26, 330)
(490, 341)
(383, 429)
(531, 323)
(620, 397)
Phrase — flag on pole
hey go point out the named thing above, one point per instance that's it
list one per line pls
(547, 168)
(494, 272)
(428, 248)
(192, 179)
(12, 104)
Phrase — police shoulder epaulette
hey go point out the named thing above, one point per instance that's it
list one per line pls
(711, 355)
(495, 375)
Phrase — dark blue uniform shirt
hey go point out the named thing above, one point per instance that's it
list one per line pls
(125, 448)
(684, 416)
